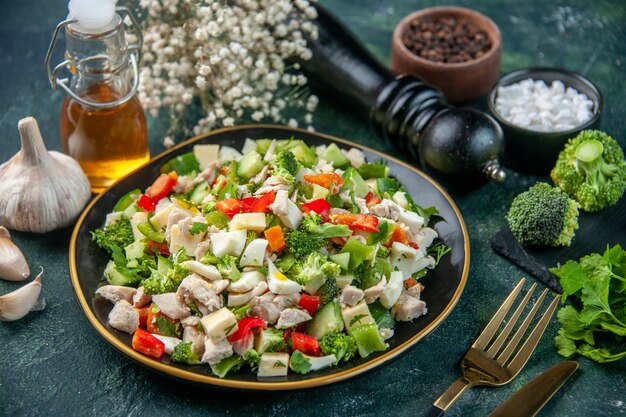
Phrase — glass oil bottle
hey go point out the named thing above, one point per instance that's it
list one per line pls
(102, 123)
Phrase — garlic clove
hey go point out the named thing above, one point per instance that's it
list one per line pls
(16, 304)
(13, 265)
(40, 191)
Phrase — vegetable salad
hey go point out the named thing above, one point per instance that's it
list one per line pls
(284, 257)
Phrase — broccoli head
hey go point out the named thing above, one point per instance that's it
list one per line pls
(182, 353)
(591, 169)
(313, 224)
(227, 266)
(329, 291)
(339, 344)
(285, 165)
(118, 234)
(543, 215)
(302, 243)
(316, 267)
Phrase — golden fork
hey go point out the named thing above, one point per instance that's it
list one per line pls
(487, 363)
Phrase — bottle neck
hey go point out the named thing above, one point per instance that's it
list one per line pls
(99, 61)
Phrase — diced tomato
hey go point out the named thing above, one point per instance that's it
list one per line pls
(414, 245)
(147, 344)
(300, 328)
(146, 203)
(247, 203)
(398, 235)
(364, 222)
(275, 238)
(410, 283)
(230, 206)
(162, 247)
(286, 335)
(332, 181)
(371, 199)
(162, 186)
(151, 321)
(305, 344)
(262, 204)
(144, 312)
(310, 303)
(247, 326)
(320, 206)
(338, 240)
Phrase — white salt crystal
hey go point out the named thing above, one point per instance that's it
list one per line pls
(534, 105)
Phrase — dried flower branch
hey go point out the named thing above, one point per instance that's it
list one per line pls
(230, 57)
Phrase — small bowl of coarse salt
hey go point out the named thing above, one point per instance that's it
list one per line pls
(539, 109)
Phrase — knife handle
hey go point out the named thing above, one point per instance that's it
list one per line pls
(434, 412)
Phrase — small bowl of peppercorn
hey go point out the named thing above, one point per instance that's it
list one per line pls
(455, 49)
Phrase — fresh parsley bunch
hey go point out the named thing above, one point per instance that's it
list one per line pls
(596, 285)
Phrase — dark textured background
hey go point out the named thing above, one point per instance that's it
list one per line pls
(53, 363)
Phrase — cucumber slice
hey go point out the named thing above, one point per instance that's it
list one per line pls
(327, 320)
(333, 154)
(126, 200)
(114, 277)
(199, 192)
(382, 316)
(303, 153)
(249, 165)
(343, 259)
(355, 182)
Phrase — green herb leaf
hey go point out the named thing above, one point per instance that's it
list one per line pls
(357, 319)
(198, 227)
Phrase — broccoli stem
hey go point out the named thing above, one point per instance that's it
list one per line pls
(589, 151)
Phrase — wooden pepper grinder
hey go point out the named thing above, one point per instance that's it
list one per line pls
(461, 143)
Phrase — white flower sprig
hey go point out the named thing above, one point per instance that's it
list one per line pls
(233, 56)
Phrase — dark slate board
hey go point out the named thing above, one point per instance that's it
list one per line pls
(595, 232)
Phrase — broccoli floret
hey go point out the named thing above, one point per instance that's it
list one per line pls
(182, 353)
(285, 166)
(339, 344)
(118, 234)
(253, 358)
(316, 267)
(591, 169)
(329, 291)
(227, 265)
(313, 224)
(301, 243)
(543, 215)
(158, 284)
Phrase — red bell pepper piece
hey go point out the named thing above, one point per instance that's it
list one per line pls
(305, 344)
(146, 203)
(371, 199)
(144, 313)
(310, 303)
(230, 206)
(332, 181)
(320, 206)
(364, 222)
(247, 203)
(162, 186)
(262, 204)
(162, 247)
(147, 344)
(246, 327)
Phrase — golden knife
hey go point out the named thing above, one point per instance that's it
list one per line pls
(529, 399)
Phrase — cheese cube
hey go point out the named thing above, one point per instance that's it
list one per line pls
(273, 364)
(248, 221)
(219, 324)
(205, 154)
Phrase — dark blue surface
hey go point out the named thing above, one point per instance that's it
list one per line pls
(52, 363)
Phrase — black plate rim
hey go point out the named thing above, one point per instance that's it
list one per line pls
(186, 375)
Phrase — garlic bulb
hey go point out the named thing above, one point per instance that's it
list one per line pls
(17, 304)
(39, 190)
(13, 265)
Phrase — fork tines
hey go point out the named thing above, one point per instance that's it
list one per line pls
(493, 348)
